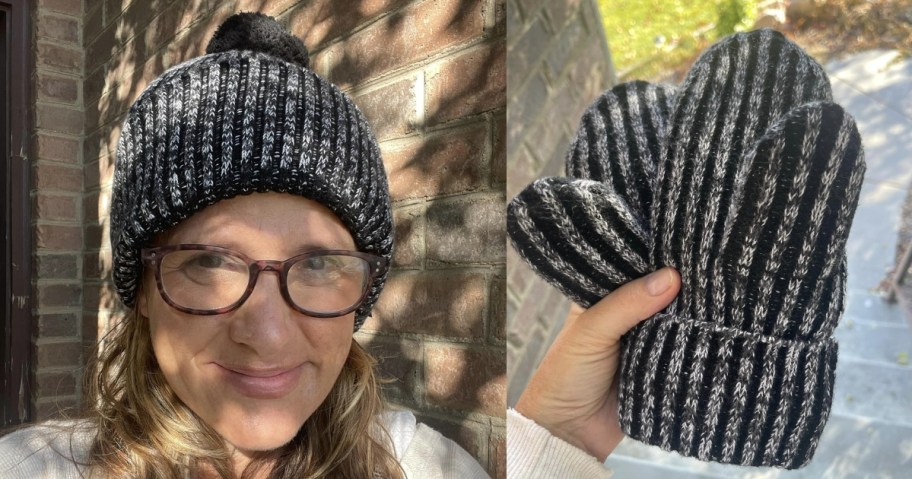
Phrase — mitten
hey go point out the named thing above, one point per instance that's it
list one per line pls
(756, 188)
(590, 233)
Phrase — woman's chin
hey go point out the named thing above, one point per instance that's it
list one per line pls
(260, 432)
(257, 441)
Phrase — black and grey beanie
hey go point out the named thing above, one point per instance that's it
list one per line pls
(754, 193)
(249, 116)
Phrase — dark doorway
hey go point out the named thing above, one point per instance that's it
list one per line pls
(15, 313)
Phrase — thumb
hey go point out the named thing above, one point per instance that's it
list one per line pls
(633, 302)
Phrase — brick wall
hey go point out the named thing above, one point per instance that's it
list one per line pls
(559, 62)
(429, 74)
(57, 212)
(439, 325)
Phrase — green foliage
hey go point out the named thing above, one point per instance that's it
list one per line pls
(731, 16)
(648, 37)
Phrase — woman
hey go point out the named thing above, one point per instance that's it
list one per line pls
(251, 234)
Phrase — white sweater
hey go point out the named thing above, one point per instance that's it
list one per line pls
(534, 453)
(45, 451)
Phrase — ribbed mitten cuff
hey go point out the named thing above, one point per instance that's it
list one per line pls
(727, 395)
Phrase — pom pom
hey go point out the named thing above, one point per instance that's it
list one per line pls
(259, 33)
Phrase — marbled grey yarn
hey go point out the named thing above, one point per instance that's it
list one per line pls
(589, 233)
(754, 195)
(234, 123)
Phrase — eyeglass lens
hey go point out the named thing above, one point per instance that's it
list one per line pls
(210, 280)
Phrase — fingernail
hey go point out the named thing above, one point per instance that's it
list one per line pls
(658, 282)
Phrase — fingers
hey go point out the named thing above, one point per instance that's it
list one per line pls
(633, 302)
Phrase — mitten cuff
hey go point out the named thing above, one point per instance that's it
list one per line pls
(729, 396)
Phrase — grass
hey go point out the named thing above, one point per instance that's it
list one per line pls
(657, 40)
(650, 37)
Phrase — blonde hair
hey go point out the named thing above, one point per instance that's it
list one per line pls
(145, 431)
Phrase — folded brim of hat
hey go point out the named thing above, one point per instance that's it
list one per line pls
(723, 394)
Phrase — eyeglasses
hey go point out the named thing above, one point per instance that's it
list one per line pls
(207, 280)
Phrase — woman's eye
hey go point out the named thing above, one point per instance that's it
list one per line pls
(315, 263)
(208, 261)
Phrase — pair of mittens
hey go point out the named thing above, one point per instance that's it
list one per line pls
(753, 195)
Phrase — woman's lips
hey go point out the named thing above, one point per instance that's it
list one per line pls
(270, 383)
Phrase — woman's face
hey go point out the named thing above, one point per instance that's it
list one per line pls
(257, 373)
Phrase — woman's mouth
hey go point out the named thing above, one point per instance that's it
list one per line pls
(261, 383)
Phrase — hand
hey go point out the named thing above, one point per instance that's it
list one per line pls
(574, 392)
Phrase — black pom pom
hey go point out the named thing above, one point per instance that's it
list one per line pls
(260, 33)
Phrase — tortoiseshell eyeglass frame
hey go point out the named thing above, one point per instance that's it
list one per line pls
(153, 257)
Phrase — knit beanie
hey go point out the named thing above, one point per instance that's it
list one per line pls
(755, 191)
(249, 116)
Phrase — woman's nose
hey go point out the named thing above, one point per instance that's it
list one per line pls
(264, 321)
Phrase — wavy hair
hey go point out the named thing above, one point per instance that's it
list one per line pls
(145, 431)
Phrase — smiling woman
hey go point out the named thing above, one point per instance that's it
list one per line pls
(252, 233)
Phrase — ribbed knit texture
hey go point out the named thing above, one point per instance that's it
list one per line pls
(234, 123)
(755, 191)
(589, 234)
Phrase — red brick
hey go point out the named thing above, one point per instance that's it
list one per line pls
(497, 454)
(113, 8)
(89, 330)
(447, 163)
(405, 37)
(60, 119)
(500, 18)
(61, 29)
(497, 301)
(59, 354)
(92, 25)
(58, 238)
(57, 407)
(60, 89)
(162, 30)
(320, 21)
(56, 148)
(94, 85)
(96, 206)
(409, 237)
(499, 158)
(467, 230)
(100, 297)
(442, 303)
(59, 58)
(96, 236)
(399, 362)
(390, 110)
(466, 378)
(55, 266)
(194, 43)
(56, 177)
(70, 7)
(270, 7)
(98, 153)
(96, 265)
(56, 383)
(99, 50)
(56, 325)
(59, 295)
(469, 84)
(55, 207)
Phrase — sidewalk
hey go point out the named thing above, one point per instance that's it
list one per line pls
(869, 433)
